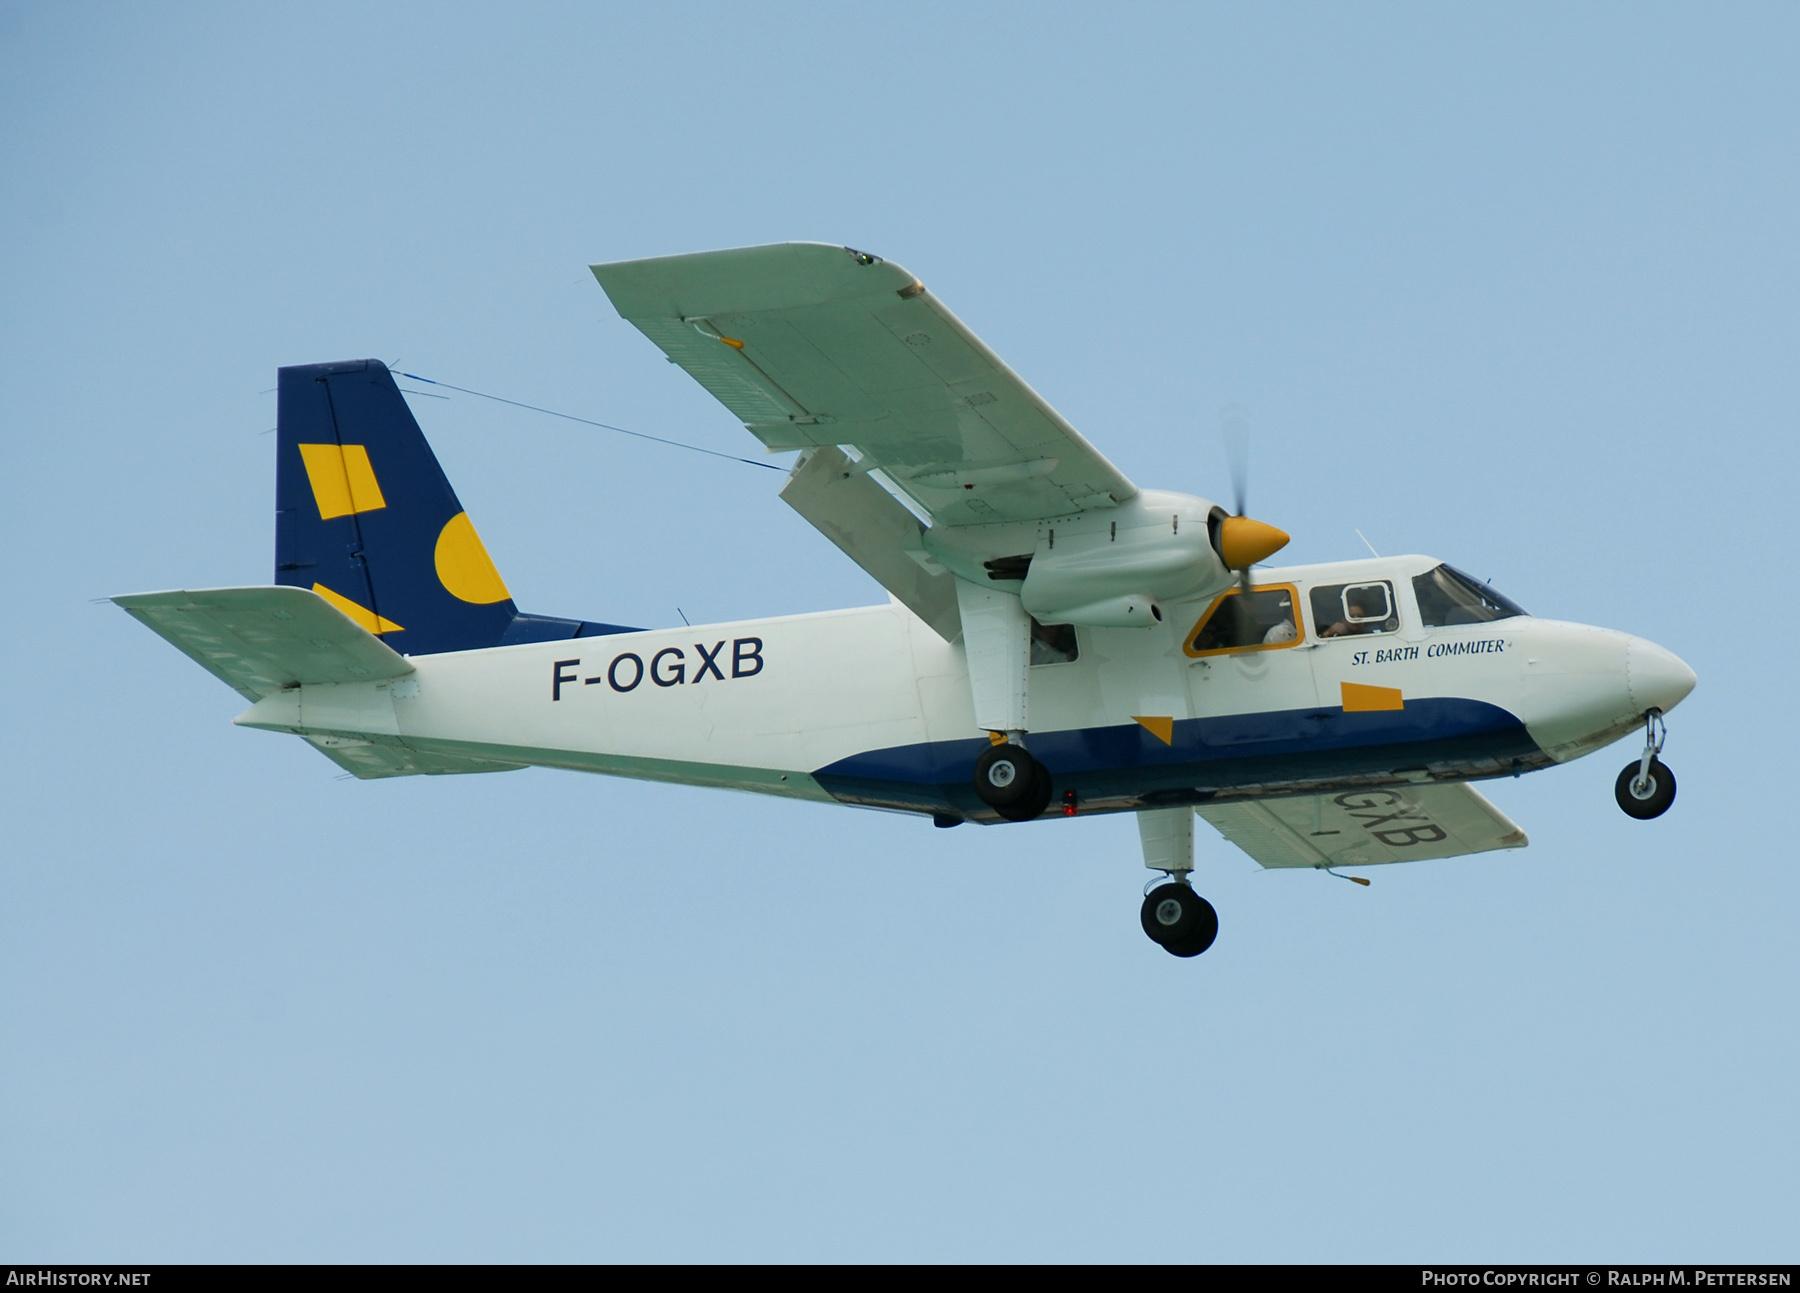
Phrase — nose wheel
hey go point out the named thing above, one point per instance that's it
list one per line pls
(1179, 919)
(1646, 787)
(1645, 792)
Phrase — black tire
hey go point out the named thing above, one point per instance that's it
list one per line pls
(1004, 775)
(1033, 804)
(1657, 796)
(1202, 937)
(1179, 919)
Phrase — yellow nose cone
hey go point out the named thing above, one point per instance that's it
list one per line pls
(1243, 542)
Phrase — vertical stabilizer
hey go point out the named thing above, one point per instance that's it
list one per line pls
(366, 519)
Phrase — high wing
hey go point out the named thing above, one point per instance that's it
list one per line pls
(1365, 827)
(812, 345)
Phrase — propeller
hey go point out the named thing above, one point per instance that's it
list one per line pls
(1242, 541)
(1234, 430)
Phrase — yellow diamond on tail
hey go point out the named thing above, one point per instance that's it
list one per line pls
(343, 481)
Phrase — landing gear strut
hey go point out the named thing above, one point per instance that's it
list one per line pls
(1183, 922)
(1176, 918)
(1012, 783)
(1646, 788)
(997, 647)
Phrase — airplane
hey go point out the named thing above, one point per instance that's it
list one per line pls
(1057, 641)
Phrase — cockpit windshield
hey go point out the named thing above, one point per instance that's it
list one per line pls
(1447, 596)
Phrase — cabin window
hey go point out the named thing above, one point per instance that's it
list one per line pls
(1351, 610)
(1261, 619)
(1447, 596)
(1053, 643)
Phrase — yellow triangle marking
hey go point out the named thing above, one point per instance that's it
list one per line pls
(1163, 729)
(361, 616)
(1359, 698)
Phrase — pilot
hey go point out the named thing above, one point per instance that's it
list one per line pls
(1232, 627)
(1221, 630)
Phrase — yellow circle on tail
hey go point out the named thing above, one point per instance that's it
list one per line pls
(463, 564)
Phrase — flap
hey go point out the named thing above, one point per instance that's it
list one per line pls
(260, 640)
(1365, 827)
(813, 345)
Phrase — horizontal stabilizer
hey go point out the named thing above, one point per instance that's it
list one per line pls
(260, 640)
(1364, 827)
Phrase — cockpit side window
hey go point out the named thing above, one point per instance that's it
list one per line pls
(1053, 643)
(1262, 619)
(1350, 610)
(1447, 596)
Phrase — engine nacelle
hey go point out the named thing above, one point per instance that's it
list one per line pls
(1111, 568)
(1134, 612)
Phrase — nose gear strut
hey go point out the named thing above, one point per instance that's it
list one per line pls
(1646, 788)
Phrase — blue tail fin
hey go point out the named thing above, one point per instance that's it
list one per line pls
(365, 518)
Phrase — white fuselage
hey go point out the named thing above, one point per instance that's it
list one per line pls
(871, 707)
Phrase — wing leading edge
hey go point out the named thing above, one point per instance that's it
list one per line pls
(813, 346)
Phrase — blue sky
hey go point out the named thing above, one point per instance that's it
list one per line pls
(1513, 286)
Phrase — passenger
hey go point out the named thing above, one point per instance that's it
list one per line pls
(1360, 608)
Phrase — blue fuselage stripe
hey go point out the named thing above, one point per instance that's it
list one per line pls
(1126, 766)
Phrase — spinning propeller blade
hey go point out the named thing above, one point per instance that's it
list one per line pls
(1242, 541)
(1234, 430)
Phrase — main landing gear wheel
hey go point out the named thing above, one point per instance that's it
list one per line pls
(1034, 803)
(1012, 783)
(1179, 919)
(1644, 797)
